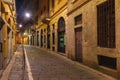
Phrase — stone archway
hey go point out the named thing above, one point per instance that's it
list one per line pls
(61, 35)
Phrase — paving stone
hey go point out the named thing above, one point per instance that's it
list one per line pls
(52, 67)
(49, 66)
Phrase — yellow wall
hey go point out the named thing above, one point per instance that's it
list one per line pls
(8, 14)
(25, 40)
(58, 6)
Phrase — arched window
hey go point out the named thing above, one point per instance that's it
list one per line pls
(61, 24)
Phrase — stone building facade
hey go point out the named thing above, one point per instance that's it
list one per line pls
(7, 31)
(43, 24)
(53, 13)
(58, 21)
(93, 34)
(83, 30)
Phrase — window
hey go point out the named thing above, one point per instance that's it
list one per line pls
(41, 32)
(53, 38)
(48, 29)
(53, 3)
(0, 8)
(37, 5)
(53, 26)
(59, 1)
(78, 19)
(41, 12)
(61, 24)
(44, 8)
(44, 30)
(106, 24)
(107, 61)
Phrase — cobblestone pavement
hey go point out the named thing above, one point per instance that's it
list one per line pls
(50, 66)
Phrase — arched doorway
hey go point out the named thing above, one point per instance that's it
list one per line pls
(48, 37)
(1, 42)
(61, 35)
(41, 38)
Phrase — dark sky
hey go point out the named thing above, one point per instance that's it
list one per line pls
(21, 8)
(19, 4)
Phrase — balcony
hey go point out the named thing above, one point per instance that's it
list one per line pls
(45, 18)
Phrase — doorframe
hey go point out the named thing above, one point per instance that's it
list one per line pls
(78, 28)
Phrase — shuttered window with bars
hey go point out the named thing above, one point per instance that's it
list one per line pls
(106, 24)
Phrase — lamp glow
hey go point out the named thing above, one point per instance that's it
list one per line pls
(27, 15)
(20, 25)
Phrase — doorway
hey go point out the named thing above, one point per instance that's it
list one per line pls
(48, 37)
(78, 44)
(41, 38)
(61, 35)
(37, 38)
(61, 42)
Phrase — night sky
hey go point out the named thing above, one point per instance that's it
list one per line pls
(19, 5)
(21, 9)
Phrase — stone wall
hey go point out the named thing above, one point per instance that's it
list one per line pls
(89, 35)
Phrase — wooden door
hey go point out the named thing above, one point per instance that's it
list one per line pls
(78, 44)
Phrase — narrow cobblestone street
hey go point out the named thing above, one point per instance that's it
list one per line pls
(59, 40)
(46, 65)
